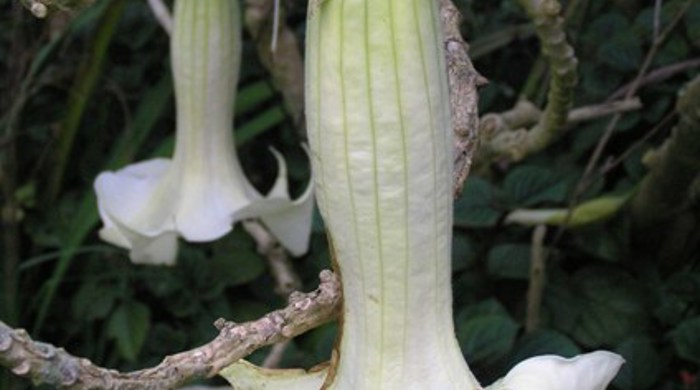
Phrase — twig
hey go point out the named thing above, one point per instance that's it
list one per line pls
(162, 15)
(44, 363)
(613, 163)
(286, 279)
(464, 81)
(275, 356)
(656, 76)
(537, 279)
(596, 111)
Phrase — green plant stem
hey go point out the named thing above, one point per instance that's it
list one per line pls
(563, 64)
(664, 192)
(87, 77)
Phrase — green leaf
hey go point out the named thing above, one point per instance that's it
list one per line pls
(165, 339)
(609, 242)
(622, 52)
(235, 263)
(260, 124)
(692, 24)
(674, 50)
(686, 339)
(463, 254)
(320, 341)
(487, 338)
(606, 26)
(544, 342)
(128, 326)
(510, 261)
(611, 307)
(642, 366)
(529, 185)
(252, 95)
(94, 301)
(476, 206)
(483, 308)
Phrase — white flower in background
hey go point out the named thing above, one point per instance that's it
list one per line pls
(591, 371)
(202, 191)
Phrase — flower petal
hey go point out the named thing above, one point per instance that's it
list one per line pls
(245, 376)
(291, 223)
(591, 371)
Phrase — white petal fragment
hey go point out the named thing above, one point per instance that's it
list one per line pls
(591, 371)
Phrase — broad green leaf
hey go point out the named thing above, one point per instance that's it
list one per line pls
(612, 307)
(247, 310)
(165, 339)
(252, 95)
(320, 341)
(606, 26)
(463, 255)
(487, 338)
(510, 261)
(128, 326)
(476, 206)
(622, 52)
(692, 24)
(94, 301)
(235, 265)
(609, 242)
(529, 185)
(260, 124)
(642, 364)
(183, 304)
(544, 342)
(673, 51)
(483, 308)
(686, 339)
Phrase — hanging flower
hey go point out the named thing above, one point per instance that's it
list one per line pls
(202, 191)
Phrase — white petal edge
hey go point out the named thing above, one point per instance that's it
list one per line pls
(591, 371)
(245, 376)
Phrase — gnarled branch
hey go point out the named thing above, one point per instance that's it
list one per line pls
(44, 363)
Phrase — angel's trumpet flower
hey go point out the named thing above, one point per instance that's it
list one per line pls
(378, 114)
(202, 191)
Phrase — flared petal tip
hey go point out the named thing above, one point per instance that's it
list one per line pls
(591, 371)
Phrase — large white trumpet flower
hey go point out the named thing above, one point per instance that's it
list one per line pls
(202, 191)
(379, 126)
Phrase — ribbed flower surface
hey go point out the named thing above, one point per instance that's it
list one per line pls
(379, 126)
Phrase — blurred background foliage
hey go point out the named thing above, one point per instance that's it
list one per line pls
(92, 91)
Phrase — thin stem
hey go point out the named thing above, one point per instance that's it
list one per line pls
(162, 15)
(537, 279)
